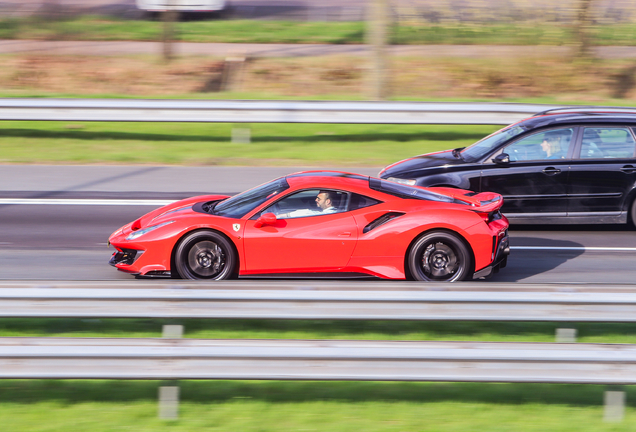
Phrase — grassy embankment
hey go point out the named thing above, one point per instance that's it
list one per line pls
(533, 61)
(267, 31)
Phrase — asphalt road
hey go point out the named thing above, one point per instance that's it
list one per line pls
(41, 241)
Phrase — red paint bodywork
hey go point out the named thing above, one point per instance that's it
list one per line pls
(326, 243)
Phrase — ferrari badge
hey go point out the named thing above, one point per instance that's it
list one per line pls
(236, 227)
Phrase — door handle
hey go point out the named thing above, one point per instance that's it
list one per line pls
(344, 234)
(628, 169)
(551, 171)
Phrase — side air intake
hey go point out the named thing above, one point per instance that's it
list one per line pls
(381, 221)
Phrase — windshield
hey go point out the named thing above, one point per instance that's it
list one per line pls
(486, 145)
(243, 203)
(404, 191)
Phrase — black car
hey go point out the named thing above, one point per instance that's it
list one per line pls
(568, 165)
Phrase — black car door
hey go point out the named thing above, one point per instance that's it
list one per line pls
(535, 179)
(602, 172)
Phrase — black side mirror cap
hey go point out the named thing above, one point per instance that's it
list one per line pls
(502, 158)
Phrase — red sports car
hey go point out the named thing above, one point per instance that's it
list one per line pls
(320, 223)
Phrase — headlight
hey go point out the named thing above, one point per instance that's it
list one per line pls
(137, 234)
(410, 182)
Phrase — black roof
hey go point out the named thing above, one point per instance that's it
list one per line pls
(578, 115)
(328, 174)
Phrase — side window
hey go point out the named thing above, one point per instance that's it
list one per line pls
(311, 202)
(551, 144)
(607, 143)
(360, 201)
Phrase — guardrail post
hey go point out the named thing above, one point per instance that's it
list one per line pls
(614, 406)
(378, 17)
(232, 75)
(241, 135)
(167, 36)
(566, 335)
(169, 402)
(169, 392)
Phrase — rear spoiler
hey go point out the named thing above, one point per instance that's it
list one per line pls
(488, 202)
(482, 202)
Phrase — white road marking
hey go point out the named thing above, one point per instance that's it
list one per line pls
(159, 203)
(69, 201)
(576, 248)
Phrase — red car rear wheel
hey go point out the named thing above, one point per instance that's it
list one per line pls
(440, 256)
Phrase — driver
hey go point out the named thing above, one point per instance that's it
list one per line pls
(324, 201)
(324, 204)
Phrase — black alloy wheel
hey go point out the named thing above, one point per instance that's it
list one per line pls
(205, 255)
(440, 256)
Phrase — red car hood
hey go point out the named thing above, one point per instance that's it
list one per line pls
(155, 216)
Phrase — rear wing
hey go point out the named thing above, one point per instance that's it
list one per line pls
(488, 202)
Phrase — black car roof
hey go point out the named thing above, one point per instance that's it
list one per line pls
(328, 174)
(580, 115)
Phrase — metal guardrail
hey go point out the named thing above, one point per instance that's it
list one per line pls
(174, 359)
(126, 110)
(389, 301)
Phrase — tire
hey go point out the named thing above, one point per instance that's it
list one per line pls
(440, 256)
(205, 255)
(632, 214)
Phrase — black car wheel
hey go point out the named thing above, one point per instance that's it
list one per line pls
(205, 255)
(632, 214)
(440, 256)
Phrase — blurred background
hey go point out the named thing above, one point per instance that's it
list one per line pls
(570, 51)
(540, 51)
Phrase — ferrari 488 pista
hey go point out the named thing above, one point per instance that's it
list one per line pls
(320, 223)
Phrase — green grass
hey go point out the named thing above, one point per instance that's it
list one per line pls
(210, 144)
(96, 406)
(246, 31)
(266, 31)
(488, 34)
(323, 329)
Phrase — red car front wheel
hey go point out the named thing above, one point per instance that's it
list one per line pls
(205, 255)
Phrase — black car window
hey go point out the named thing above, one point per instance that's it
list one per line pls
(485, 146)
(607, 143)
(243, 203)
(311, 202)
(545, 145)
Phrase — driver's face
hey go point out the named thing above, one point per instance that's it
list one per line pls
(322, 201)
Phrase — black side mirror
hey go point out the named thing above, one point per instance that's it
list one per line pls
(502, 158)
